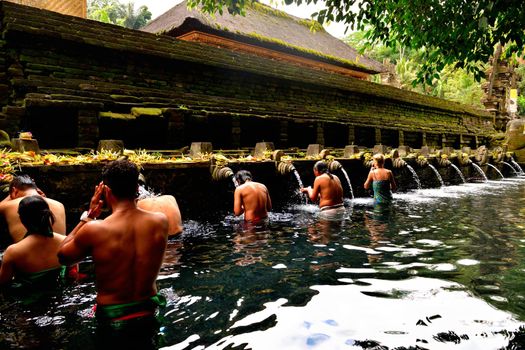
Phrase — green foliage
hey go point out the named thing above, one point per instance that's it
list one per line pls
(451, 83)
(122, 14)
(521, 105)
(458, 33)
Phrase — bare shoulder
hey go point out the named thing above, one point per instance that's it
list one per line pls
(156, 217)
(53, 202)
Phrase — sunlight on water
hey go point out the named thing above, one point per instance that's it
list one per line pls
(416, 311)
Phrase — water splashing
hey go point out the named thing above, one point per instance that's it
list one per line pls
(414, 175)
(437, 175)
(234, 180)
(459, 172)
(480, 171)
(300, 182)
(497, 170)
(511, 167)
(348, 181)
(517, 166)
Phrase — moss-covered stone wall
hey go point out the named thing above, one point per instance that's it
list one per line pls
(77, 80)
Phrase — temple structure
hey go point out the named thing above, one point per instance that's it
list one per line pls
(267, 32)
(76, 8)
(72, 81)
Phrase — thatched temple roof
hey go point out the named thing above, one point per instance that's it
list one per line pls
(267, 27)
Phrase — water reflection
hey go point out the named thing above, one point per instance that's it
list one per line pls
(441, 268)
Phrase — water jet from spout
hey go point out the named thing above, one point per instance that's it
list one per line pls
(497, 170)
(459, 172)
(480, 171)
(442, 184)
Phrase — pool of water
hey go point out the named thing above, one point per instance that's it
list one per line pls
(441, 269)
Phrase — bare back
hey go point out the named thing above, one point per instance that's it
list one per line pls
(128, 249)
(253, 199)
(33, 254)
(164, 204)
(9, 209)
(330, 190)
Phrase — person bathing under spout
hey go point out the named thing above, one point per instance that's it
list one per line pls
(165, 204)
(328, 189)
(251, 198)
(382, 181)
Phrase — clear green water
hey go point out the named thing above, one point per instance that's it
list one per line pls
(442, 269)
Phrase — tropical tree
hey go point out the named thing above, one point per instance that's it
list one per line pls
(452, 32)
(454, 84)
(115, 12)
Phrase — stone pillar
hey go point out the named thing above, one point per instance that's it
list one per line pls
(476, 141)
(462, 141)
(88, 131)
(283, 133)
(176, 126)
(320, 133)
(351, 134)
(236, 131)
(443, 140)
(198, 149)
(423, 139)
(401, 138)
(377, 136)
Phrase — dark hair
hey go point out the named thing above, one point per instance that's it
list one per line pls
(242, 176)
(21, 182)
(36, 216)
(121, 176)
(322, 167)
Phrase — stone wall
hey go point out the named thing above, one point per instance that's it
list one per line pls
(72, 81)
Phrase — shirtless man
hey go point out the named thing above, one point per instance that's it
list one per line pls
(127, 247)
(163, 204)
(251, 198)
(327, 188)
(20, 187)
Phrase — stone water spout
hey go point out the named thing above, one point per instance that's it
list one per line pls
(482, 155)
(498, 155)
(464, 159)
(220, 172)
(397, 161)
(442, 159)
(334, 165)
(284, 168)
(422, 161)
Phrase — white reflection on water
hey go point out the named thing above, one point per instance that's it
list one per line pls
(392, 313)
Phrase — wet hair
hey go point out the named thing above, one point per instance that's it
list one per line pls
(379, 158)
(322, 167)
(121, 176)
(36, 216)
(22, 182)
(242, 176)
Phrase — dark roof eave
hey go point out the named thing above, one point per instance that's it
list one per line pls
(194, 24)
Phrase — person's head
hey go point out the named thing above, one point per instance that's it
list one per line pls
(36, 216)
(121, 176)
(20, 184)
(321, 168)
(379, 160)
(242, 176)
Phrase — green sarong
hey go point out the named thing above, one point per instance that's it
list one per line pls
(124, 312)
